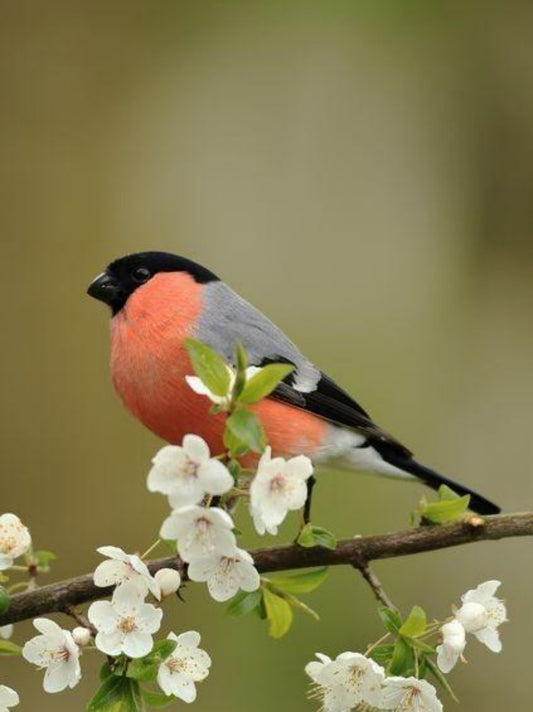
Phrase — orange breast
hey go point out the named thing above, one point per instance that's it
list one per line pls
(149, 364)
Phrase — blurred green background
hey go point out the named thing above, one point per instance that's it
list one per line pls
(362, 172)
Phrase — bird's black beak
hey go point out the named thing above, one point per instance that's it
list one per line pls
(105, 288)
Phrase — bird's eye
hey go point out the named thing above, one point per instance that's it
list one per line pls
(141, 274)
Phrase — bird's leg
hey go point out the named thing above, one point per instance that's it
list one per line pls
(307, 506)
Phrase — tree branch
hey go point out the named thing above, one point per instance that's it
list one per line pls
(62, 596)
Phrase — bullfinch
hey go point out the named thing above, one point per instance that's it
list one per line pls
(158, 300)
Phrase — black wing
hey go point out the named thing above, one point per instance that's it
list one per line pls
(331, 402)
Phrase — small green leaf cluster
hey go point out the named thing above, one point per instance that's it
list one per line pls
(449, 508)
(410, 654)
(311, 535)
(277, 598)
(234, 389)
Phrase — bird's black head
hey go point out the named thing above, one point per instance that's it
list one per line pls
(125, 275)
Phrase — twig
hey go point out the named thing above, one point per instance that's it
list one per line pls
(59, 596)
(374, 583)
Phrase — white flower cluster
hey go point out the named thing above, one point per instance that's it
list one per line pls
(481, 614)
(353, 680)
(15, 540)
(204, 535)
(127, 623)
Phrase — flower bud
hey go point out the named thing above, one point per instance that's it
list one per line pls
(473, 616)
(168, 580)
(6, 631)
(82, 636)
(453, 635)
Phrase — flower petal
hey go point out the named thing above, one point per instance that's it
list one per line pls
(196, 448)
(8, 696)
(190, 638)
(491, 638)
(137, 644)
(103, 616)
(215, 477)
(110, 572)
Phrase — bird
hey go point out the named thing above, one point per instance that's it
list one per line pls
(159, 300)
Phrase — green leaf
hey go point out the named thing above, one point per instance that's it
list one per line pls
(415, 623)
(423, 647)
(5, 600)
(157, 699)
(244, 603)
(244, 432)
(301, 582)
(279, 613)
(209, 366)
(117, 694)
(132, 698)
(402, 658)
(241, 357)
(105, 671)
(441, 678)
(446, 493)
(7, 647)
(146, 668)
(390, 618)
(110, 693)
(241, 361)
(161, 650)
(235, 469)
(382, 654)
(312, 535)
(264, 382)
(43, 559)
(445, 510)
(260, 610)
(143, 671)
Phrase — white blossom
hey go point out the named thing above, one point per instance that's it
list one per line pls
(187, 473)
(198, 386)
(453, 645)
(8, 698)
(409, 694)
(200, 531)
(185, 666)
(224, 574)
(168, 580)
(123, 568)
(15, 540)
(482, 613)
(125, 624)
(350, 680)
(6, 631)
(81, 636)
(56, 651)
(278, 486)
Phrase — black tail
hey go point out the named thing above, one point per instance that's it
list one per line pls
(431, 478)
